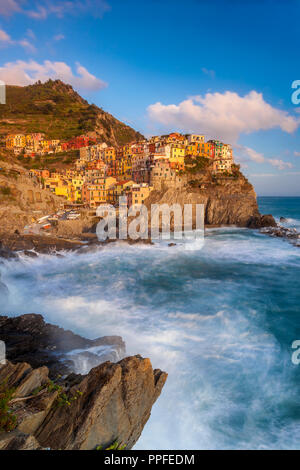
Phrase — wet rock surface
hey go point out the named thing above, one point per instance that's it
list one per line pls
(261, 221)
(11, 243)
(112, 402)
(289, 233)
(30, 339)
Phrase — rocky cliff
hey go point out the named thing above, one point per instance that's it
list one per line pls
(22, 199)
(53, 407)
(228, 200)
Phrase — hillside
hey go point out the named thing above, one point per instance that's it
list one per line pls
(55, 109)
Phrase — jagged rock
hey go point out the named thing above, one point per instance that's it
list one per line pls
(17, 440)
(115, 404)
(5, 252)
(291, 234)
(29, 339)
(41, 244)
(112, 402)
(261, 221)
(14, 374)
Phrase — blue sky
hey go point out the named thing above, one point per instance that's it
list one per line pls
(223, 68)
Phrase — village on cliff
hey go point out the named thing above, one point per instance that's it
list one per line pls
(101, 173)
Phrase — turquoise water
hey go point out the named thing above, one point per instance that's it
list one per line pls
(220, 320)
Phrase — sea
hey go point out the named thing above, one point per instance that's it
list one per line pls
(220, 318)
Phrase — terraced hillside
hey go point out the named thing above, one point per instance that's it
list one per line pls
(55, 109)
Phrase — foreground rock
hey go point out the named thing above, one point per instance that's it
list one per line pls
(111, 403)
(29, 339)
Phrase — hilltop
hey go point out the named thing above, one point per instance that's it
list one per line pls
(55, 109)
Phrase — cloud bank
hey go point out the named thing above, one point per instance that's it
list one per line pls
(222, 115)
(26, 73)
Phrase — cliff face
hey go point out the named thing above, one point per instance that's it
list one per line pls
(21, 199)
(227, 200)
(111, 403)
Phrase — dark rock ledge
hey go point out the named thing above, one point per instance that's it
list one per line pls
(59, 409)
(290, 234)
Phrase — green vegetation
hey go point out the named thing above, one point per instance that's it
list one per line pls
(8, 420)
(62, 398)
(195, 164)
(114, 446)
(55, 109)
(236, 170)
(50, 160)
(5, 191)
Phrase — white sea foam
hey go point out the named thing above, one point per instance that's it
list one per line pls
(201, 315)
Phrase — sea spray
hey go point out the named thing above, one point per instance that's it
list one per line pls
(220, 321)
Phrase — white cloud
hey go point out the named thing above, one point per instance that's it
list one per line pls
(8, 7)
(6, 40)
(247, 153)
(222, 115)
(252, 154)
(25, 73)
(297, 154)
(41, 9)
(211, 73)
(40, 13)
(27, 46)
(59, 37)
(280, 164)
(262, 175)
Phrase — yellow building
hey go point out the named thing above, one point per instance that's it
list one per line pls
(109, 154)
(10, 142)
(29, 140)
(118, 189)
(177, 155)
(99, 191)
(77, 183)
(64, 189)
(16, 140)
(138, 193)
(202, 149)
(45, 144)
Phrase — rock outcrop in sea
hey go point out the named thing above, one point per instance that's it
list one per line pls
(55, 407)
(228, 200)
